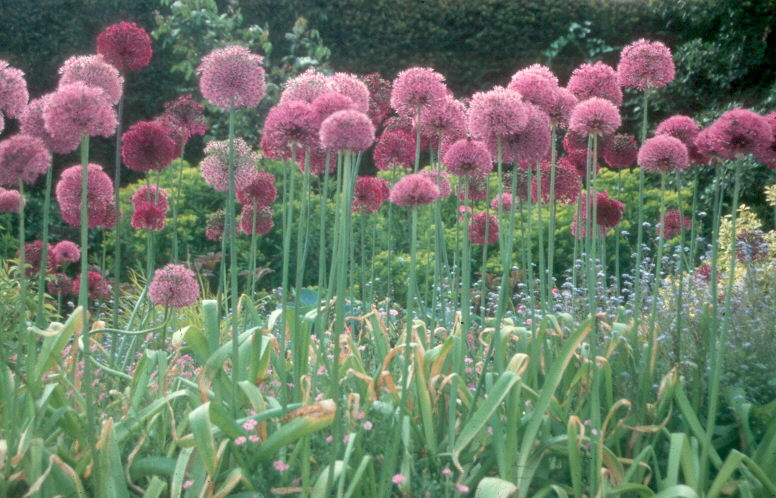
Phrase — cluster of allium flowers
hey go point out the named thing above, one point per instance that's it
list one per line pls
(439, 177)
(620, 151)
(645, 64)
(506, 199)
(369, 194)
(260, 192)
(417, 87)
(595, 116)
(76, 110)
(33, 256)
(446, 118)
(256, 219)
(11, 201)
(214, 226)
(529, 145)
(737, 133)
(232, 77)
(352, 87)
(185, 116)
(395, 147)
(497, 113)
(379, 97)
(289, 124)
(93, 71)
(685, 129)
(125, 45)
(568, 184)
(59, 285)
(480, 224)
(607, 211)
(174, 286)
(13, 90)
(150, 208)
(674, 223)
(468, 158)
(215, 166)
(99, 196)
(347, 130)
(536, 87)
(663, 153)
(97, 287)
(306, 87)
(33, 124)
(22, 159)
(560, 110)
(147, 146)
(767, 155)
(414, 190)
(595, 80)
(65, 252)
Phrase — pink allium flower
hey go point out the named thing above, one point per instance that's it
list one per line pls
(595, 80)
(414, 190)
(539, 70)
(317, 161)
(706, 145)
(174, 286)
(506, 199)
(595, 116)
(480, 223)
(65, 252)
(2, 123)
(395, 147)
(369, 194)
(397, 479)
(125, 45)
(261, 225)
(529, 145)
(260, 192)
(608, 213)
(92, 70)
(468, 158)
(22, 159)
(152, 194)
(739, 132)
(767, 155)
(352, 87)
(328, 103)
(685, 129)
(186, 116)
(306, 87)
(674, 223)
(99, 196)
(33, 255)
(76, 110)
(560, 110)
(97, 286)
(497, 113)
(417, 87)
(13, 90)
(232, 77)
(215, 165)
(33, 124)
(568, 184)
(280, 465)
(536, 88)
(645, 64)
(60, 285)
(577, 160)
(146, 146)
(148, 216)
(379, 97)
(439, 178)
(289, 124)
(447, 117)
(10, 201)
(347, 130)
(475, 187)
(214, 226)
(663, 153)
(620, 150)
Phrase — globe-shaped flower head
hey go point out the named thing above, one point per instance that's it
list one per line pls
(261, 192)
(414, 190)
(685, 129)
(620, 151)
(479, 225)
(150, 208)
(96, 285)
(13, 90)
(417, 87)
(232, 77)
(645, 64)
(77, 110)
(369, 194)
(379, 97)
(256, 219)
(468, 158)
(22, 159)
(125, 45)
(347, 130)
(353, 88)
(10, 201)
(215, 166)
(395, 147)
(497, 113)
(767, 155)
(739, 132)
(92, 70)
(529, 145)
(289, 125)
(568, 184)
(328, 103)
(560, 110)
(674, 223)
(536, 87)
(174, 286)
(306, 87)
(33, 124)
(595, 116)
(663, 153)
(439, 178)
(595, 80)
(607, 211)
(65, 252)
(185, 116)
(99, 196)
(147, 146)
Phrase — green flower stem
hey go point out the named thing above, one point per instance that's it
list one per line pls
(301, 341)
(235, 297)
(543, 291)
(175, 195)
(679, 273)
(505, 290)
(41, 313)
(252, 261)
(22, 276)
(117, 216)
(636, 303)
(553, 209)
(417, 138)
(529, 247)
(319, 326)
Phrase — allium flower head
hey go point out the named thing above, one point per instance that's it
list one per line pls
(645, 64)
(369, 194)
(767, 155)
(595, 80)
(328, 103)
(174, 286)
(506, 199)
(595, 116)
(125, 45)
(560, 110)
(379, 97)
(261, 224)
(353, 88)
(347, 130)
(318, 161)
(97, 287)
(10, 201)
(529, 145)
(289, 124)
(479, 225)
(568, 184)
(92, 70)
(417, 87)
(152, 194)
(674, 223)
(60, 285)
(536, 88)
(64, 252)
(608, 214)
(468, 158)
(475, 187)
(739, 132)
(497, 113)
(33, 256)
(232, 77)
(685, 129)
(395, 147)
(33, 124)
(22, 159)
(261, 192)
(186, 116)
(13, 90)
(439, 178)
(447, 117)
(99, 196)
(414, 190)
(76, 110)
(663, 153)
(306, 86)
(539, 70)
(214, 226)
(147, 146)
(620, 150)
(577, 160)
(215, 166)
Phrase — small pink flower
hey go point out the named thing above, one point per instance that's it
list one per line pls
(329, 439)
(249, 424)
(253, 439)
(397, 479)
(280, 465)
(240, 440)
(462, 488)
(360, 415)
(367, 426)
(187, 484)
(447, 472)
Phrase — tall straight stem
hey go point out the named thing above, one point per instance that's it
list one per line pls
(553, 208)
(618, 235)
(41, 313)
(231, 229)
(640, 228)
(175, 196)
(117, 216)
(544, 298)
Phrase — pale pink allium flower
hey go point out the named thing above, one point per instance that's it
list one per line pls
(232, 77)
(645, 64)
(620, 150)
(595, 116)
(536, 88)
(147, 146)
(506, 199)
(215, 166)
(529, 145)
(13, 90)
(414, 190)
(417, 87)
(33, 124)
(306, 86)
(395, 147)
(289, 124)
(468, 158)
(174, 286)
(93, 71)
(76, 110)
(595, 80)
(446, 118)
(352, 87)
(22, 159)
(560, 110)
(685, 129)
(328, 103)
(125, 45)
(497, 113)
(663, 154)
(439, 178)
(10, 201)
(347, 130)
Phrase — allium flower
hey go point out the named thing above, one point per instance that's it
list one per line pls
(214, 226)
(306, 87)
(94, 71)
(318, 161)
(608, 214)
(539, 70)
(497, 113)
(595, 116)
(2, 123)
(13, 90)
(480, 223)
(99, 196)
(468, 158)
(560, 110)
(150, 193)
(685, 129)
(574, 141)
(174, 286)
(663, 153)
(125, 45)
(262, 223)
(568, 184)
(347, 130)
(97, 286)
(414, 190)
(352, 87)
(22, 159)
(506, 199)
(577, 160)
(65, 252)
(439, 178)
(529, 145)
(536, 88)
(260, 192)
(379, 97)
(395, 147)
(232, 77)
(215, 165)
(739, 132)
(10, 201)
(645, 64)
(289, 124)
(475, 187)
(150, 208)
(60, 285)
(328, 103)
(33, 124)
(674, 223)
(417, 87)
(146, 146)
(620, 150)
(33, 255)
(76, 110)
(767, 155)
(447, 118)
(369, 194)
(595, 80)
(186, 116)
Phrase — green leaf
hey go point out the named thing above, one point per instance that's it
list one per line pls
(493, 487)
(199, 419)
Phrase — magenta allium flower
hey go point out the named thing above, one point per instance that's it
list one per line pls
(76, 110)
(150, 208)
(595, 80)
(98, 288)
(468, 158)
(506, 199)
(33, 124)
(94, 71)
(497, 113)
(608, 213)
(685, 129)
(13, 90)
(99, 196)
(645, 64)
(174, 286)
(568, 184)
(536, 88)
(739, 132)
(65, 252)
(439, 178)
(352, 87)
(480, 223)
(369, 194)
(260, 192)
(125, 45)
(529, 145)
(663, 153)
(146, 146)
(620, 150)
(395, 147)
(232, 77)
(414, 190)
(33, 255)
(347, 130)
(328, 103)
(767, 155)
(417, 87)
(10, 201)
(306, 86)
(60, 285)
(262, 223)
(214, 226)
(186, 116)
(150, 193)
(446, 118)
(560, 110)
(22, 159)
(577, 160)
(379, 97)
(595, 116)
(215, 166)
(289, 124)
(674, 223)
(318, 161)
